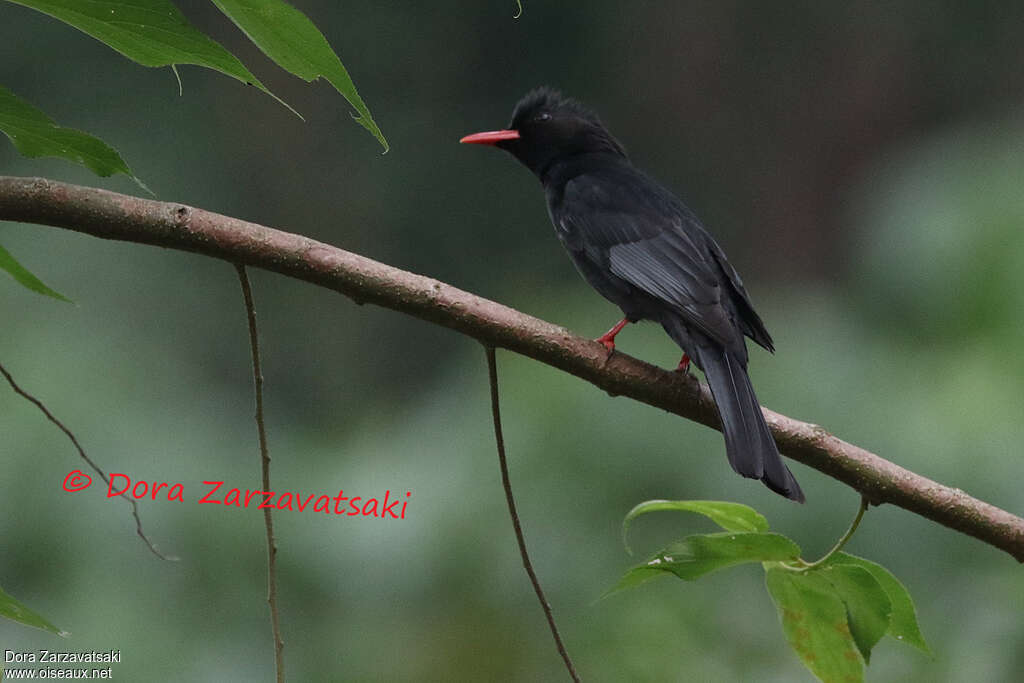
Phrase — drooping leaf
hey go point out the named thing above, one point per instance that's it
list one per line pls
(695, 556)
(36, 135)
(16, 611)
(287, 36)
(814, 621)
(729, 516)
(150, 32)
(903, 624)
(25, 277)
(868, 608)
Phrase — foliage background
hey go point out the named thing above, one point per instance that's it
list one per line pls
(862, 167)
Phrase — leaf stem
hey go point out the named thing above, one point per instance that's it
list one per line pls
(807, 566)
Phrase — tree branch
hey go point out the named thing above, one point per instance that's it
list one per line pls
(120, 217)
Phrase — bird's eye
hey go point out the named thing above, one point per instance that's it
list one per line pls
(544, 116)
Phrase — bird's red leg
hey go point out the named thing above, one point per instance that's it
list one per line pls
(684, 364)
(608, 338)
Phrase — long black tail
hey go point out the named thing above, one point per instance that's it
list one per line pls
(748, 442)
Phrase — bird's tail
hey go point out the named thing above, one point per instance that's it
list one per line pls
(748, 442)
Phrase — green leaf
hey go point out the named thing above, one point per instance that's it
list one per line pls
(288, 37)
(903, 624)
(814, 621)
(22, 275)
(633, 578)
(695, 556)
(16, 611)
(868, 608)
(729, 516)
(150, 32)
(36, 135)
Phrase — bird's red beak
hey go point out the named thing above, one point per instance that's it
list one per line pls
(491, 137)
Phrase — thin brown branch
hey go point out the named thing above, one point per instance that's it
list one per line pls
(261, 428)
(81, 453)
(492, 376)
(116, 216)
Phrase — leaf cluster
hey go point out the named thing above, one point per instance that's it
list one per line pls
(833, 611)
(155, 33)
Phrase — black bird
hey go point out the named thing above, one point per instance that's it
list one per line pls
(642, 249)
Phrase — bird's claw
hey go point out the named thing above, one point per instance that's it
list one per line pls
(608, 338)
(684, 365)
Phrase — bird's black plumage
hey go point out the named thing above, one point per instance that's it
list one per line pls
(644, 250)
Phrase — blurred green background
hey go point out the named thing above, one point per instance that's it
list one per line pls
(862, 165)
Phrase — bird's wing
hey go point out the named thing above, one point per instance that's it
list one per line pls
(751, 322)
(646, 237)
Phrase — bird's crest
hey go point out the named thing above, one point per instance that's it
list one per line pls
(550, 99)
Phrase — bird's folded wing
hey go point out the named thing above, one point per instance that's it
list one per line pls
(643, 240)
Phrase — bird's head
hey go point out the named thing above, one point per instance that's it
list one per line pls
(548, 127)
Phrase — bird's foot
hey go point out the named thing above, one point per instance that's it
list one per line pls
(684, 365)
(608, 338)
